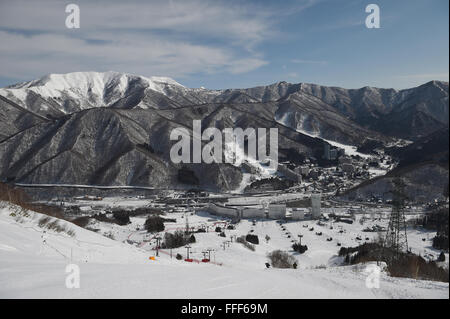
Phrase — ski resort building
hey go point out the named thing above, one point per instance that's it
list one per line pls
(277, 211)
(299, 213)
(274, 211)
(332, 153)
(221, 210)
(252, 213)
(289, 174)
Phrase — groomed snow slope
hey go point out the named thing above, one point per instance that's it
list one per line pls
(349, 149)
(110, 269)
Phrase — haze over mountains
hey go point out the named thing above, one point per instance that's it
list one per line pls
(113, 128)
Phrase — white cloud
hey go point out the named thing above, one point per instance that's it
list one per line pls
(245, 65)
(46, 53)
(169, 38)
(300, 61)
(225, 19)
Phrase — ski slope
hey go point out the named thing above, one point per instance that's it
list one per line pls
(109, 268)
(349, 149)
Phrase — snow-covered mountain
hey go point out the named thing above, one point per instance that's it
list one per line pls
(409, 114)
(113, 128)
(77, 91)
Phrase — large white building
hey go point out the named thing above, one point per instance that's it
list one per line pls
(273, 211)
(299, 213)
(277, 211)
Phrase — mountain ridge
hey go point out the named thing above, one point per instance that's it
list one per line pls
(114, 129)
(373, 108)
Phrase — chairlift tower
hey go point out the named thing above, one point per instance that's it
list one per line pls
(209, 250)
(158, 241)
(188, 247)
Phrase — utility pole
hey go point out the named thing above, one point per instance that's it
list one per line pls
(187, 224)
(194, 204)
(265, 204)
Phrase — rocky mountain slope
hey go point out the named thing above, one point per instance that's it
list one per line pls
(113, 128)
(409, 114)
(423, 165)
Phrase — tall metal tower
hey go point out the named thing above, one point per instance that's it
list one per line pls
(396, 238)
(187, 223)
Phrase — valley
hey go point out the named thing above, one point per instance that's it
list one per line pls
(88, 179)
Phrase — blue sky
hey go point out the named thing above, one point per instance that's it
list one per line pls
(230, 44)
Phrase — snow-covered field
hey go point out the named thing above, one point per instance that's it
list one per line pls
(115, 269)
